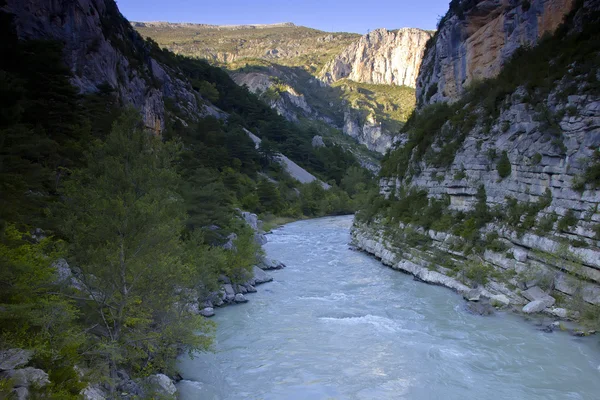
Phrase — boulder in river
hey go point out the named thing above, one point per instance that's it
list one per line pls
(479, 308)
(162, 384)
(260, 276)
(207, 312)
(269, 264)
(472, 295)
(239, 298)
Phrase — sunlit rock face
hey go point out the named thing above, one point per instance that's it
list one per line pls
(476, 39)
(381, 57)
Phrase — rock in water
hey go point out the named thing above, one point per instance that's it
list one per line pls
(472, 295)
(260, 276)
(479, 308)
(239, 298)
(162, 384)
(269, 264)
(207, 312)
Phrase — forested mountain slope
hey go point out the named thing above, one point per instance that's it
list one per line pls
(336, 82)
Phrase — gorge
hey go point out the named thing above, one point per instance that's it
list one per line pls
(143, 164)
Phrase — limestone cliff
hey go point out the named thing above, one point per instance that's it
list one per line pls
(477, 37)
(502, 175)
(380, 57)
(101, 48)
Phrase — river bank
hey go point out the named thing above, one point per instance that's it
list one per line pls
(499, 290)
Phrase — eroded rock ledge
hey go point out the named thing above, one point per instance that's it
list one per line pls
(519, 279)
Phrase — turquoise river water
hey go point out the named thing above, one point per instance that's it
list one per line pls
(336, 324)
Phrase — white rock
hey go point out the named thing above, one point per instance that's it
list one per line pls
(26, 377)
(21, 393)
(239, 298)
(536, 306)
(520, 255)
(93, 393)
(499, 300)
(162, 384)
(207, 312)
(472, 295)
(14, 358)
(260, 276)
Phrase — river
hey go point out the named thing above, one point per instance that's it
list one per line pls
(336, 324)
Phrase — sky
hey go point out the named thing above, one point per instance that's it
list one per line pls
(357, 16)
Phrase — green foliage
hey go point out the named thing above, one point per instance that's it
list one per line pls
(34, 315)
(536, 159)
(391, 105)
(591, 176)
(567, 222)
(504, 167)
(494, 243)
(478, 272)
(123, 219)
(546, 224)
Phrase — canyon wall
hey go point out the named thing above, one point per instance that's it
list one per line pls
(380, 57)
(516, 158)
(101, 48)
(477, 37)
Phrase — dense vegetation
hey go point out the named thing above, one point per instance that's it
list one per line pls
(139, 219)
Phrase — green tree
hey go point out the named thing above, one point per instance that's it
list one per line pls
(123, 217)
(269, 196)
(33, 313)
(504, 167)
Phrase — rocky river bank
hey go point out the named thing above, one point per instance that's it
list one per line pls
(531, 297)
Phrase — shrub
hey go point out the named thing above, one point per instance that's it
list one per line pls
(567, 221)
(478, 273)
(504, 167)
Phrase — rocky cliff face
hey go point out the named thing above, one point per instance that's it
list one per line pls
(477, 37)
(101, 48)
(522, 169)
(380, 57)
(282, 97)
(367, 131)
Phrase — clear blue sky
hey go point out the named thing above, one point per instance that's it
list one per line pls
(328, 15)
